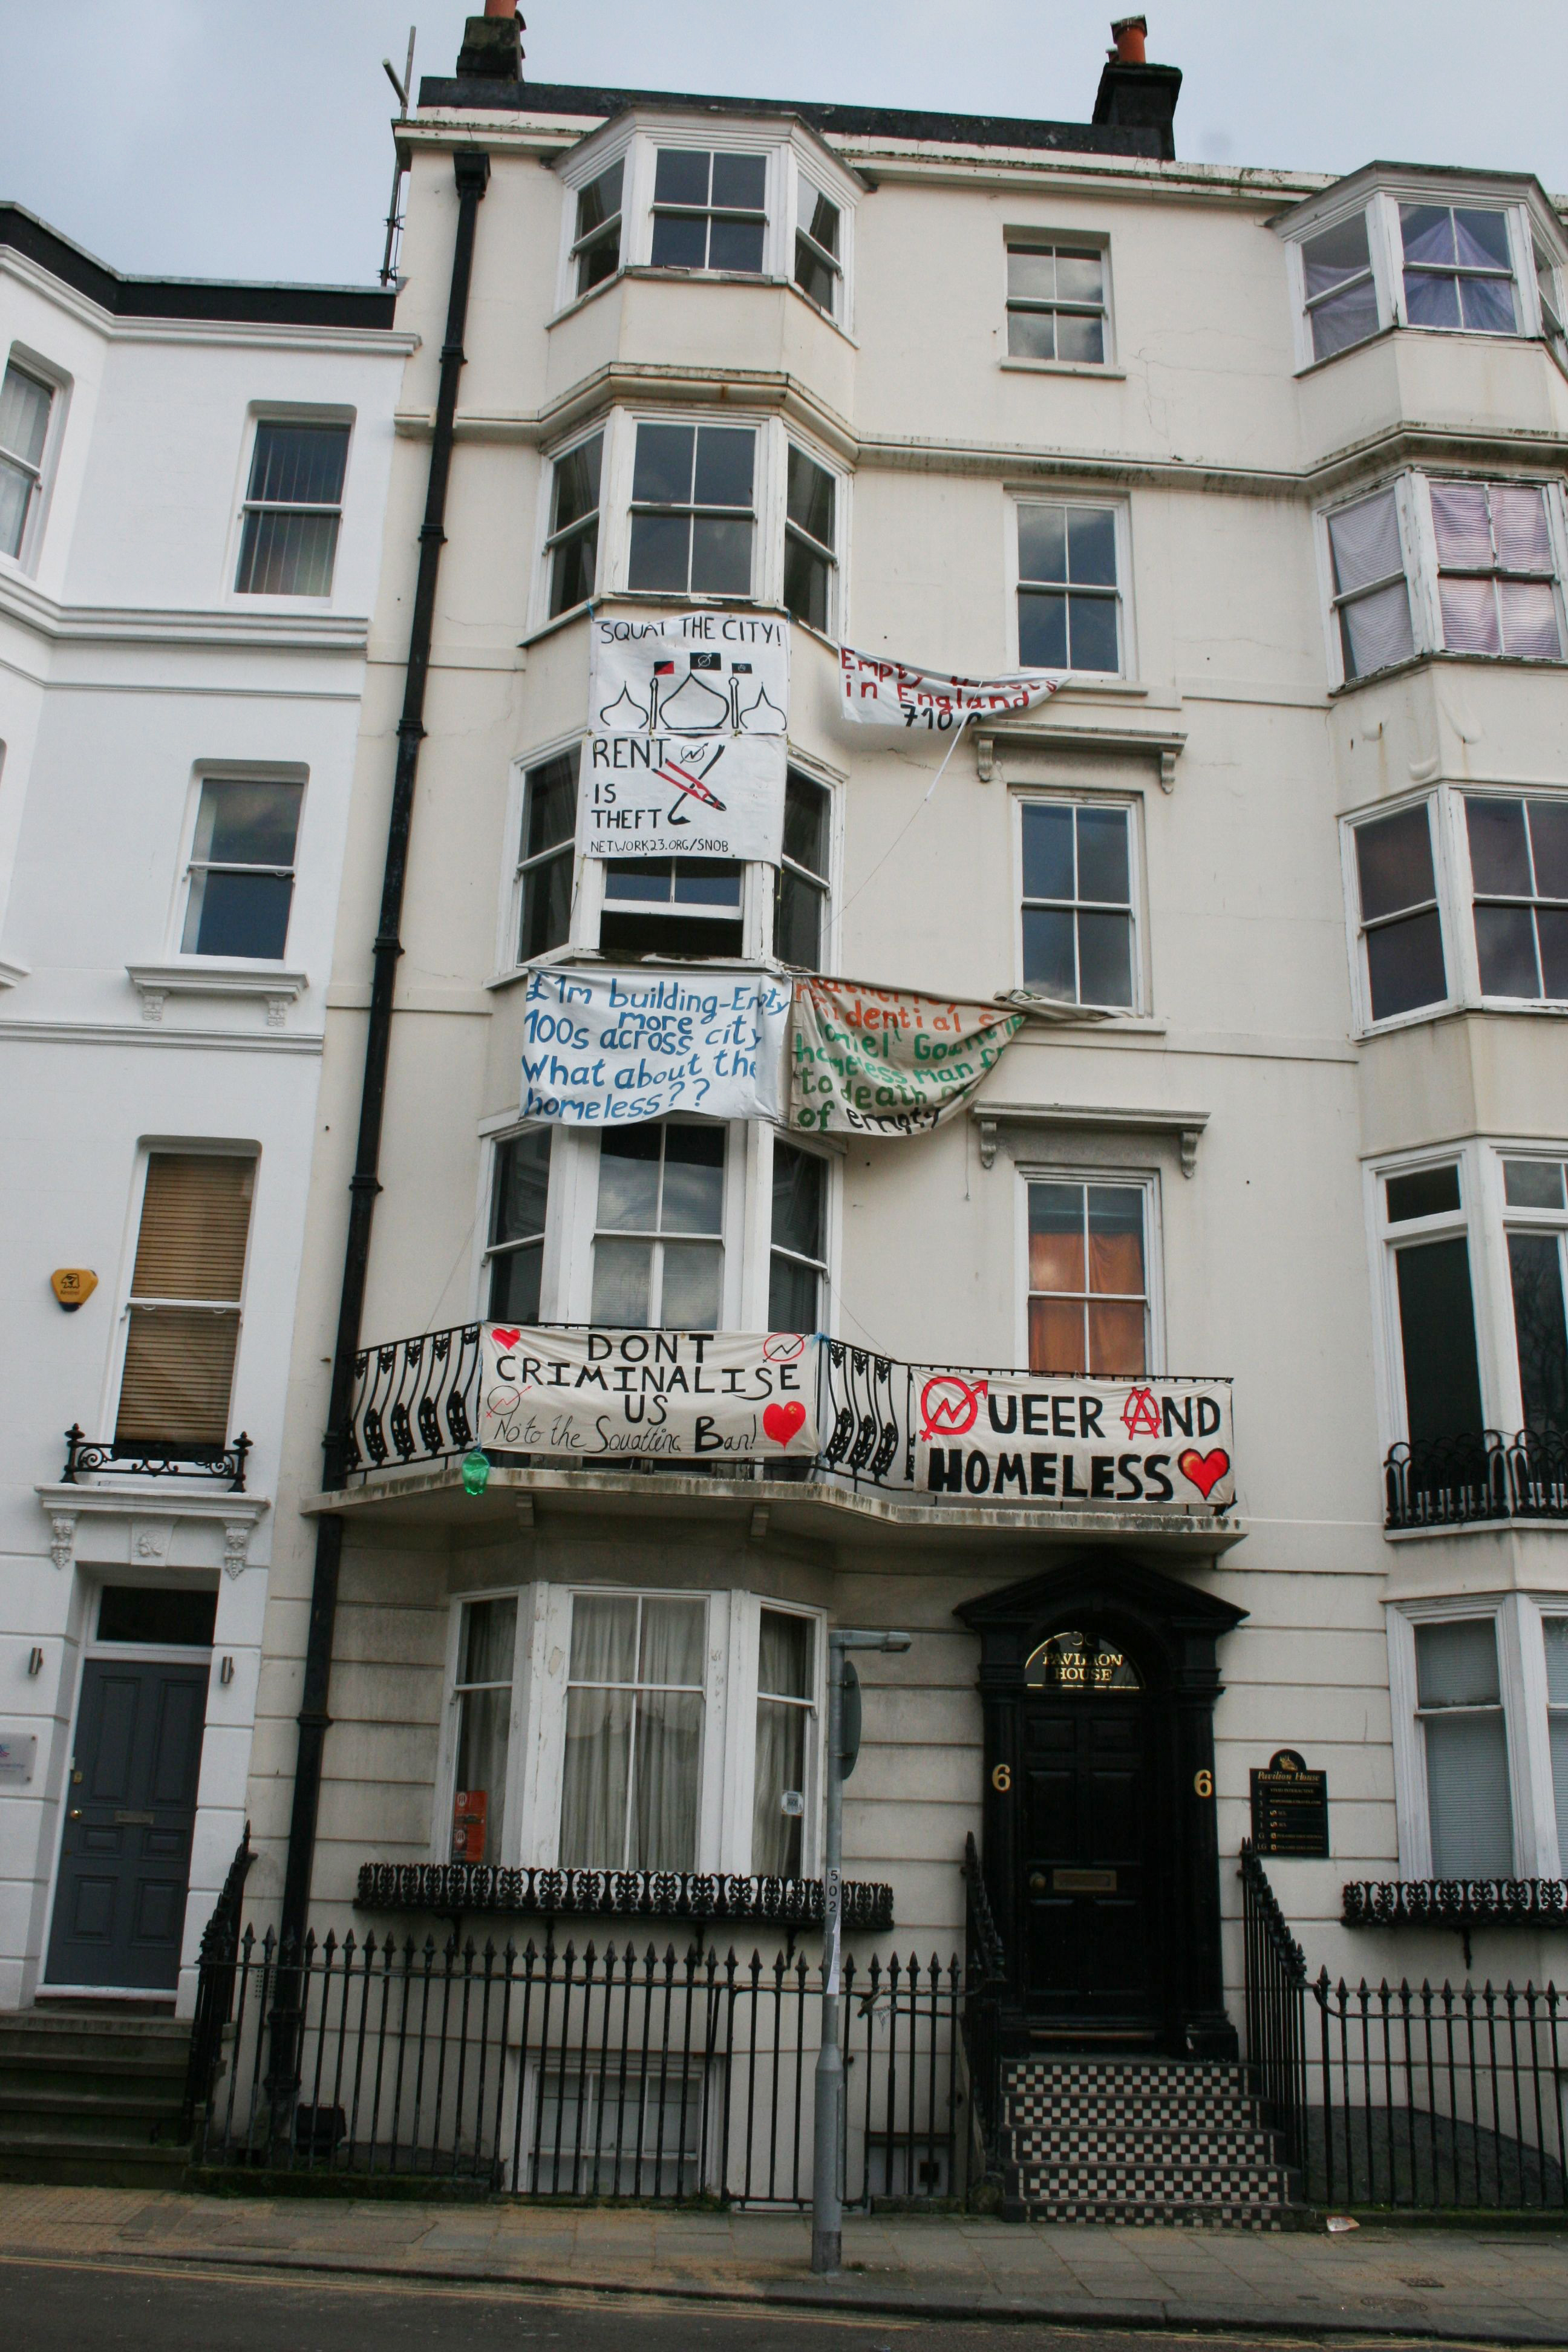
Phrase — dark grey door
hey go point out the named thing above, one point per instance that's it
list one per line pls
(125, 1859)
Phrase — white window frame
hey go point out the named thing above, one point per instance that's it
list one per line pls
(1500, 1220)
(58, 384)
(1037, 794)
(1041, 236)
(1081, 1172)
(1454, 797)
(217, 1148)
(1385, 245)
(768, 1139)
(508, 935)
(541, 618)
(1355, 931)
(230, 771)
(819, 458)
(1477, 1221)
(1126, 633)
(831, 781)
(536, 1756)
(578, 1156)
(283, 412)
(494, 1138)
(1418, 544)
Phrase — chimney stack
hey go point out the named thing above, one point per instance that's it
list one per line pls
(1133, 92)
(492, 45)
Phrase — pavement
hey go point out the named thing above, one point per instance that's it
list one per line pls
(1484, 2285)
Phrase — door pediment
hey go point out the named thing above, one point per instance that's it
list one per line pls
(1171, 1624)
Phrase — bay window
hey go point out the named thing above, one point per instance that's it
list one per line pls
(693, 508)
(1480, 1763)
(658, 1239)
(1518, 873)
(1458, 269)
(709, 210)
(634, 1733)
(1497, 569)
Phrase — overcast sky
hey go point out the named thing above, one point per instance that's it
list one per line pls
(249, 138)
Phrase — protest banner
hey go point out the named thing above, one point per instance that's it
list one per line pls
(882, 693)
(1044, 1438)
(884, 1061)
(602, 1048)
(671, 1395)
(688, 713)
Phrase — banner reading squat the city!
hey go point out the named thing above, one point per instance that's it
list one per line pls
(688, 713)
(882, 693)
(885, 1061)
(669, 1395)
(1039, 1438)
(611, 1048)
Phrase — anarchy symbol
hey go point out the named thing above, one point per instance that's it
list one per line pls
(1139, 1414)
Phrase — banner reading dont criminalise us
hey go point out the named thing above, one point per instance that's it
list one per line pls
(688, 714)
(882, 693)
(609, 1048)
(885, 1061)
(1017, 1437)
(673, 1395)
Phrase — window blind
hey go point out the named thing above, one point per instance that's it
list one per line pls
(184, 1299)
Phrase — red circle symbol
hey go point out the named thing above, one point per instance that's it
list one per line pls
(783, 1346)
(949, 1405)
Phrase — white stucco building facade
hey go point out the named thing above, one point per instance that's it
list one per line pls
(193, 480)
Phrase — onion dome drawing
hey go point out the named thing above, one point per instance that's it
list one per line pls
(694, 710)
(762, 716)
(624, 715)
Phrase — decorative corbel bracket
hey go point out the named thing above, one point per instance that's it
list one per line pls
(985, 757)
(62, 1538)
(987, 1140)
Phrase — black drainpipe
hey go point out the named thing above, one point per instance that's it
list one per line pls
(473, 169)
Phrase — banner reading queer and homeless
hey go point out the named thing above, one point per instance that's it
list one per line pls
(608, 1048)
(674, 1395)
(883, 1061)
(882, 693)
(1014, 1436)
(685, 754)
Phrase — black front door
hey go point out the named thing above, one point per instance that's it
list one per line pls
(1090, 1954)
(125, 1858)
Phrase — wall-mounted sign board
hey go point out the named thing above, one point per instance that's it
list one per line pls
(1290, 1809)
(18, 1756)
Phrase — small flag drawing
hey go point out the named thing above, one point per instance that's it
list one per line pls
(664, 670)
(707, 661)
(741, 669)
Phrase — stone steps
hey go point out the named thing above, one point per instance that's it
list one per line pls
(89, 2099)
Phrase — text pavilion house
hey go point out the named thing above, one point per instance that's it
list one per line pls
(1193, 1390)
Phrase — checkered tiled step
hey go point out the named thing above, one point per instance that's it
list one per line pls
(1139, 2139)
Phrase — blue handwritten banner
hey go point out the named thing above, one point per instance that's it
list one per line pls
(609, 1048)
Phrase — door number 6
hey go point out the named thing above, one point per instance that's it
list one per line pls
(1002, 1777)
(1204, 1783)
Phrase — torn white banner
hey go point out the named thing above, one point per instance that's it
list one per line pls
(882, 693)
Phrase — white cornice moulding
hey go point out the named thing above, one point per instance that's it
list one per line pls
(334, 633)
(151, 1503)
(150, 1033)
(1187, 1125)
(156, 983)
(10, 973)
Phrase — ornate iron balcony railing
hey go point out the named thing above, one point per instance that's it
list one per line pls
(133, 1458)
(456, 1888)
(1477, 1474)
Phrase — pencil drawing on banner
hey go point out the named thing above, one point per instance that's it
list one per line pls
(1074, 1442)
(885, 1061)
(671, 1395)
(688, 714)
(882, 693)
(609, 1048)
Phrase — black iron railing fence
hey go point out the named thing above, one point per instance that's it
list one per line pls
(1484, 1473)
(621, 2072)
(135, 1457)
(985, 1989)
(451, 1889)
(1446, 2098)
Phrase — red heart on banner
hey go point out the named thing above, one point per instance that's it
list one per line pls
(1205, 1470)
(781, 1421)
(504, 1338)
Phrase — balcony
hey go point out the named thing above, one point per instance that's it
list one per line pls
(416, 1417)
(1478, 1477)
(134, 1457)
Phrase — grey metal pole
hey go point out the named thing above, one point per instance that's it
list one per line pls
(827, 2142)
(826, 2205)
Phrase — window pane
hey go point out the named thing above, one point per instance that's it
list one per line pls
(735, 245)
(725, 462)
(1499, 854)
(680, 176)
(1438, 1329)
(1080, 337)
(598, 261)
(668, 1767)
(1394, 863)
(1080, 275)
(1487, 306)
(247, 823)
(824, 222)
(604, 1638)
(1375, 631)
(1519, 521)
(649, 881)
(781, 1764)
(705, 881)
(489, 1634)
(1535, 1269)
(546, 906)
(600, 201)
(806, 808)
(284, 554)
(571, 569)
(1092, 633)
(597, 1775)
(661, 551)
(1468, 1796)
(783, 1659)
(797, 919)
(1049, 963)
(1425, 1193)
(1551, 937)
(196, 1219)
(671, 1648)
(577, 482)
(693, 1286)
(179, 1371)
(1031, 334)
(1335, 255)
(799, 1195)
(1556, 1632)
(693, 1200)
(805, 583)
(16, 495)
(1480, 238)
(794, 1300)
(1047, 851)
(1042, 543)
(1427, 231)
(679, 241)
(1529, 630)
(1469, 617)
(1505, 949)
(1364, 540)
(516, 1281)
(813, 275)
(628, 1179)
(1115, 1340)
(1560, 1775)
(623, 1283)
(662, 472)
(1091, 547)
(23, 415)
(1104, 958)
(484, 1724)
(551, 816)
(1031, 274)
(1549, 840)
(1430, 299)
(523, 1186)
(298, 465)
(1057, 1342)
(740, 181)
(240, 914)
(1461, 524)
(810, 502)
(1055, 1237)
(1532, 1183)
(1042, 630)
(1343, 320)
(720, 557)
(1115, 1237)
(1457, 1664)
(1103, 856)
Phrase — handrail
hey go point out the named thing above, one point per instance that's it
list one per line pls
(214, 1985)
(1274, 1994)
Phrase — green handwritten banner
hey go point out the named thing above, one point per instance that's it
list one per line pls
(885, 1061)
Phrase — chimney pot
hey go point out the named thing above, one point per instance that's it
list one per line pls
(1129, 32)
(501, 7)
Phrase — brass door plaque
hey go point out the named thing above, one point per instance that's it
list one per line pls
(1084, 1882)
